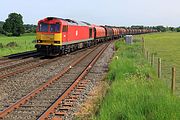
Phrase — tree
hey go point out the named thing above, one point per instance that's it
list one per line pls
(14, 24)
(172, 28)
(30, 28)
(137, 26)
(178, 29)
(161, 28)
(1, 30)
(1, 27)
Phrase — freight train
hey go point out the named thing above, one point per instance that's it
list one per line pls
(55, 36)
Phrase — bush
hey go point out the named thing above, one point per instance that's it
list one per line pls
(7, 34)
(178, 29)
(12, 44)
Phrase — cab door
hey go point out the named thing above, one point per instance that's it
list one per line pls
(90, 32)
(65, 33)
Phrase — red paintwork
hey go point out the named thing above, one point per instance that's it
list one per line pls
(115, 31)
(100, 32)
(130, 31)
(127, 31)
(78, 32)
(109, 31)
(75, 32)
(122, 31)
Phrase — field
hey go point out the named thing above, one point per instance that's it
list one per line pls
(24, 43)
(167, 47)
(135, 92)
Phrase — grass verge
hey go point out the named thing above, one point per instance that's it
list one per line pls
(24, 43)
(165, 45)
(136, 93)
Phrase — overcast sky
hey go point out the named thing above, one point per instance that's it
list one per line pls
(111, 12)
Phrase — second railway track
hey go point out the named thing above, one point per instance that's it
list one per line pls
(21, 65)
(14, 69)
(16, 57)
(33, 105)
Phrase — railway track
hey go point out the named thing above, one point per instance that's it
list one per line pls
(18, 63)
(16, 57)
(50, 94)
(14, 69)
(25, 65)
(17, 86)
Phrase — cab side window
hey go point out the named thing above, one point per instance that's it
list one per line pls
(65, 28)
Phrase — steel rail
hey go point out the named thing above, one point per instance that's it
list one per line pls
(8, 61)
(22, 56)
(42, 87)
(20, 70)
(30, 67)
(53, 107)
(18, 64)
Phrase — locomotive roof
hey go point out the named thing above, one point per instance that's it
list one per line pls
(73, 22)
(68, 21)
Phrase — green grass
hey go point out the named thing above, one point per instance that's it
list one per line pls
(167, 47)
(135, 92)
(24, 43)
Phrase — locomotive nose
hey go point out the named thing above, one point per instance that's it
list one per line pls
(49, 39)
(46, 36)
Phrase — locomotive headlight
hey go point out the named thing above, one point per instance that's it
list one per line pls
(57, 42)
(39, 41)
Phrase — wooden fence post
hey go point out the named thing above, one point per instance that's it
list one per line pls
(152, 59)
(173, 83)
(143, 45)
(147, 55)
(144, 53)
(159, 67)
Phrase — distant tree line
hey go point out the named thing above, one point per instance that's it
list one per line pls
(30, 28)
(159, 28)
(14, 26)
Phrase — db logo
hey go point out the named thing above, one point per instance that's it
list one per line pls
(76, 32)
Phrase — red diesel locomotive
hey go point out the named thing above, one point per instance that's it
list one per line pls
(58, 36)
